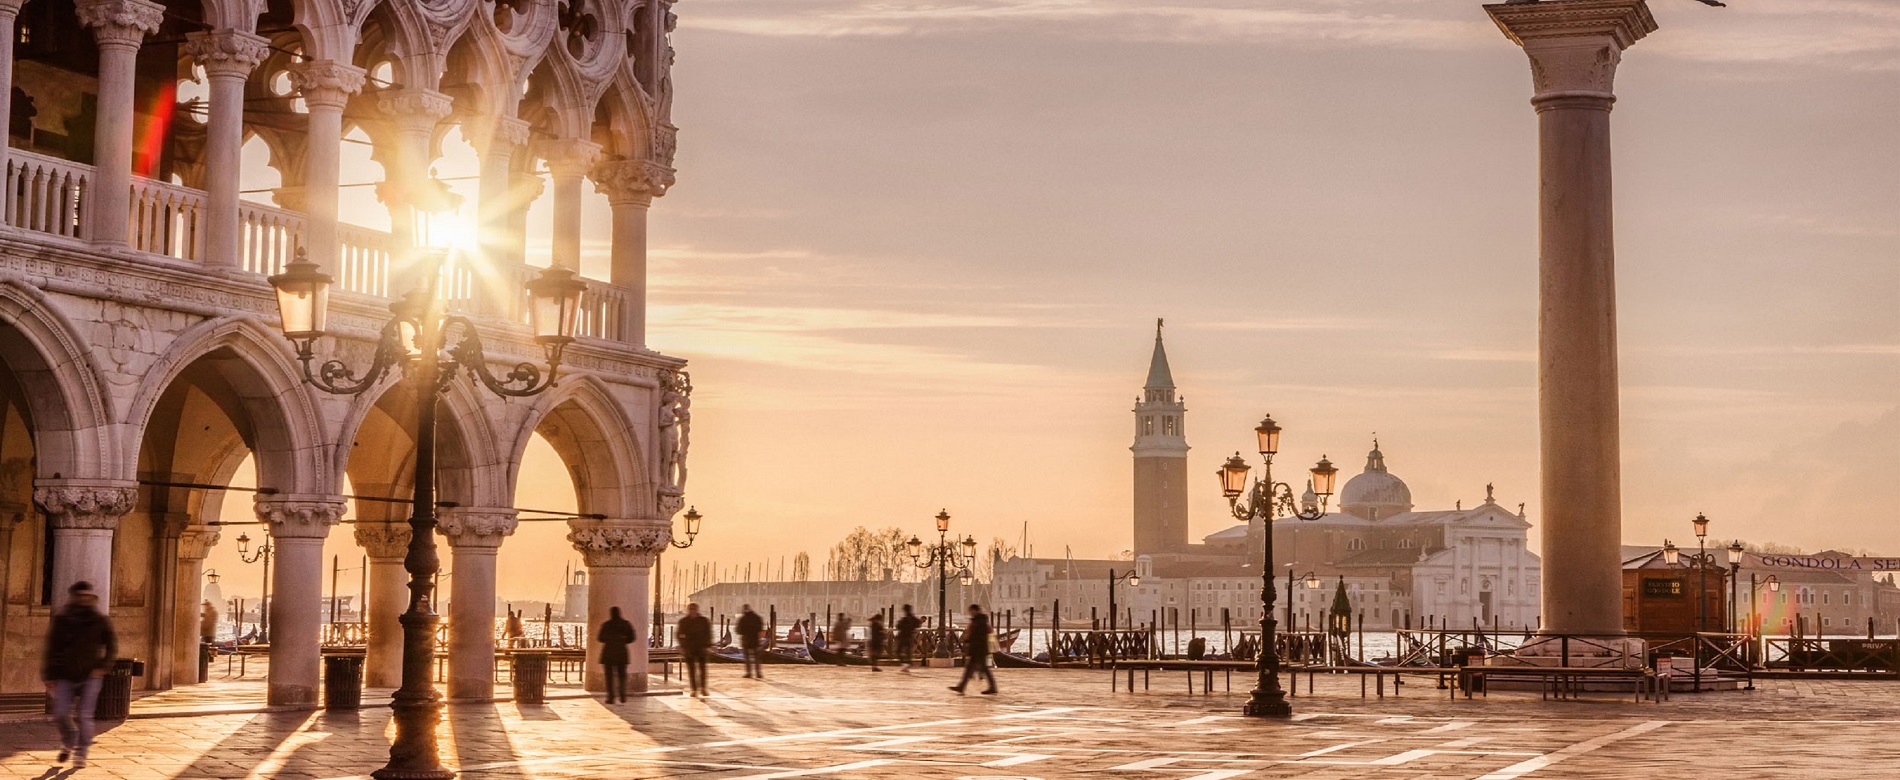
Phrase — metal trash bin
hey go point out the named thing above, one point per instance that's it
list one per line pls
(342, 682)
(530, 676)
(115, 691)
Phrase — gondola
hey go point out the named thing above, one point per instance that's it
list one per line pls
(734, 655)
(824, 656)
(1015, 661)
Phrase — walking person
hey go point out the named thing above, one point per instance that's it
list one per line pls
(976, 651)
(874, 642)
(615, 635)
(907, 636)
(840, 639)
(695, 638)
(751, 639)
(79, 646)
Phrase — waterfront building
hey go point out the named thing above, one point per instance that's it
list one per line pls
(141, 361)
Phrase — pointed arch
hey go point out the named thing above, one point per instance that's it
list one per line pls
(471, 467)
(590, 428)
(64, 391)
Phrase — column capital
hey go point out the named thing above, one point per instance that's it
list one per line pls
(618, 543)
(326, 83)
(308, 517)
(500, 133)
(1574, 45)
(195, 542)
(477, 527)
(415, 109)
(92, 505)
(383, 541)
(120, 22)
(568, 156)
(635, 182)
(227, 53)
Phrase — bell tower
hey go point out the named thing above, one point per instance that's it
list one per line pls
(1161, 450)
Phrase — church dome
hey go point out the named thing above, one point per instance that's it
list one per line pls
(1375, 493)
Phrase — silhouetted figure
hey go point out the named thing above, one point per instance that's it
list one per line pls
(208, 623)
(874, 642)
(513, 630)
(751, 638)
(615, 635)
(907, 636)
(79, 646)
(976, 651)
(695, 637)
(840, 639)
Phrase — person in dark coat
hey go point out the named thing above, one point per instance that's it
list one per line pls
(80, 646)
(615, 635)
(874, 643)
(751, 638)
(695, 637)
(976, 651)
(907, 636)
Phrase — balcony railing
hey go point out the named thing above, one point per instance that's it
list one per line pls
(49, 195)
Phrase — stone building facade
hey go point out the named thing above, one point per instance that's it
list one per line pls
(140, 356)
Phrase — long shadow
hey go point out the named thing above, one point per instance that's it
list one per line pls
(481, 736)
(260, 736)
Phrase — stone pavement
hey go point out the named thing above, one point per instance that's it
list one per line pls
(850, 723)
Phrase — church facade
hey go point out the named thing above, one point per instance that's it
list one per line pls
(1401, 566)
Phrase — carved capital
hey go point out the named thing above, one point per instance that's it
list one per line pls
(665, 141)
(227, 53)
(294, 518)
(618, 542)
(96, 507)
(327, 83)
(120, 22)
(1574, 45)
(476, 527)
(383, 541)
(195, 543)
(631, 181)
(568, 156)
(415, 109)
(505, 135)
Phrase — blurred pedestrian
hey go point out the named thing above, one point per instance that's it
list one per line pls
(615, 635)
(208, 623)
(751, 639)
(874, 639)
(907, 636)
(695, 638)
(976, 651)
(512, 631)
(840, 640)
(79, 647)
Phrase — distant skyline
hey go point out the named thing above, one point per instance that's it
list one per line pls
(916, 252)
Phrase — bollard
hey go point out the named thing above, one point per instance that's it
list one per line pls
(342, 682)
(530, 675)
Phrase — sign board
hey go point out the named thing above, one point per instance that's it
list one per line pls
(1659, 588)
(1825, 562)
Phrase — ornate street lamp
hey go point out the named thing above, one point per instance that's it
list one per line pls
(1134, 581)
(944, 555)
(692, 533)
(1735, 550)
(1267, 499)
(431, 347)
(263, 553)
(1702, 560)
(1310, 580)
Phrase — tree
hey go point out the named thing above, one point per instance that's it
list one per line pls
(1000, 550)
(866, 555)
(801, 567)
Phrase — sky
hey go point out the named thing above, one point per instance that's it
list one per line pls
(917, 250)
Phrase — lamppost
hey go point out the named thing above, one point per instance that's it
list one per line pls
(1267, 499)
(1773, 584)
(1134, 581)
(1310, 579)
(943, 555)
(1702, 560)
(263, 553)
(692, 533)
(1735, 550)
(431, 347)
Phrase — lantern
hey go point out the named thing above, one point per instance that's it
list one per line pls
(303, 298)
(1233, 477)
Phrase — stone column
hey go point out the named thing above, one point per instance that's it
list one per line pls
(326, 86)
(228, 57)
(413, 114)
(501, 199)
(388, 597)
(569, 160)
(119, 27)
(194, 544)
(84, 516)
(1574, 47)
(630, 187)
(619, 556)
(9, 14)
(297, 528)
(474, 535)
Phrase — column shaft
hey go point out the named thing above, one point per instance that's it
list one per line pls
(83, 555)
(9, 15)
(629, 588)
(472, 623)
(228, 56)
(111, 193)
(298, 527)
(188, 584)
(84, 517)
(326, 87)
(629, 270)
